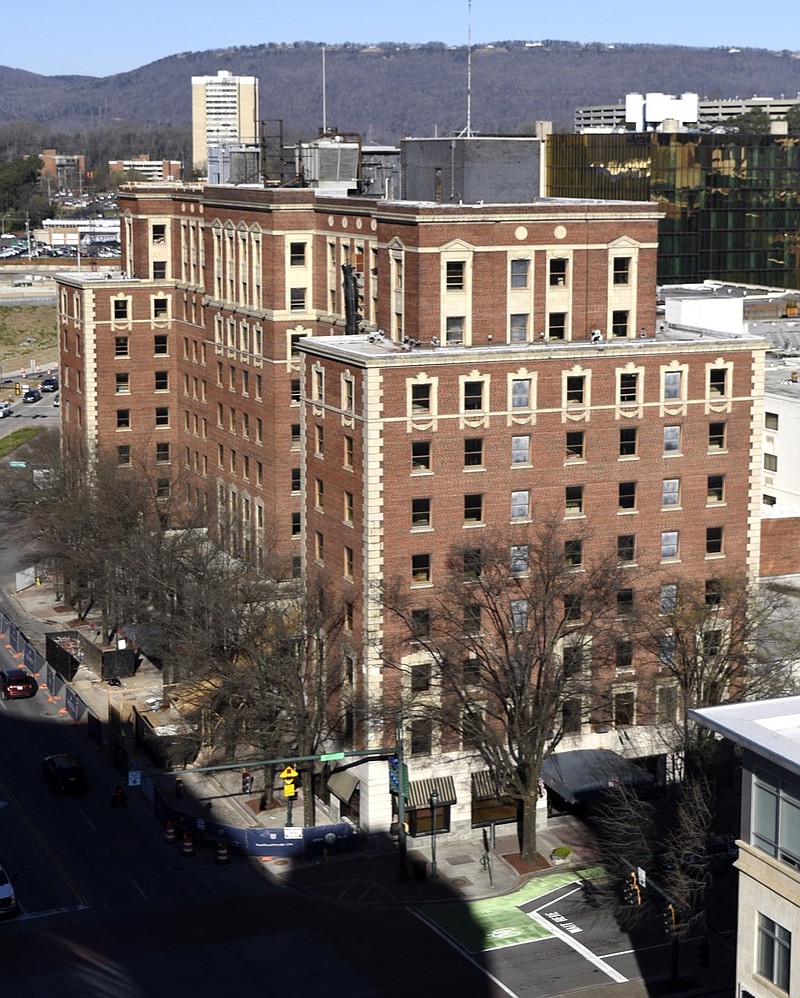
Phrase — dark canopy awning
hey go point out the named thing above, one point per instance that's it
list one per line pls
(419, 792)
(582, 774)
(343, 784)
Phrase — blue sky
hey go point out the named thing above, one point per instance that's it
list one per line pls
(55, 37)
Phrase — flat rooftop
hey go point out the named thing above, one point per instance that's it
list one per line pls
(769, 728)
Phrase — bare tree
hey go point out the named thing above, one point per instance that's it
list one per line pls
(722, 640)
(507, 639)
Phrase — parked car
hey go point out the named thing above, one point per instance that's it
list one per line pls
(64, 773)
(32, 395)
(49, 385)
(6, 408)
(57, 399)
(8, 897)
(17, 684)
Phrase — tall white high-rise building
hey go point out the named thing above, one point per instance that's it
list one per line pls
(224, 111)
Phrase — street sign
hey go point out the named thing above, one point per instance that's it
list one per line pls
(289, 773)
(331, 756)
(135, 778)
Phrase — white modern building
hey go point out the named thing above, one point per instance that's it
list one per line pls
(769, 847)
(666, 112)
(224, 112)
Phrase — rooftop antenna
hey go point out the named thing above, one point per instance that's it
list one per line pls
(467, 132)
(324, 96)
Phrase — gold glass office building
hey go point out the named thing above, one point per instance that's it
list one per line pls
(733, 207)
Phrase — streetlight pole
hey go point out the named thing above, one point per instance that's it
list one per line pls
(434, 800)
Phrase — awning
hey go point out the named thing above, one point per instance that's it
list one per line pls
(419, 792)
(342, 784)
(583, 774)
(483, 786)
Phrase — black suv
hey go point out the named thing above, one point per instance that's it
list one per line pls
(64, 773)
(49, 385)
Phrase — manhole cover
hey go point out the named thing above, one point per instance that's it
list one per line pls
(460, 882)
(280, 862)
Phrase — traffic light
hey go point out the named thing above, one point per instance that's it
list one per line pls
(291, 782)
(247, 782)
(670, 917)
(631, 892)
(394, 775)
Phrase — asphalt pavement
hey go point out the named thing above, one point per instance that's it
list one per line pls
(370, 875)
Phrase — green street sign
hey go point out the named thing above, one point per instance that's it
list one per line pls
(331, 756)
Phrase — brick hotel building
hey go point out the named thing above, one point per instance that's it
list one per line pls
(504, 367)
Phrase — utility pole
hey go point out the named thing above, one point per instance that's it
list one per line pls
(402, 870)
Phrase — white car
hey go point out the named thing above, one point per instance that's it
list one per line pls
(6, 408)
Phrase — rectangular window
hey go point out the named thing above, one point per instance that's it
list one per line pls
(557, 326)
(297, 299)
(162, 416)
(319, 547)
(420, 455)
(162, 381)
(521, 450)
(519, 273)
(672, 440)
(666, 704)
(572, 716)
(297, 254)
(295, 436)
(668, 598)
(347, 452)
(473, 563)
(347, 568)
(420, 568)
(121, 309)
(454, 275)
(454, 329)
(159, 234)
(473, 452)
(421, 677)
(575, 445)
(295, 479)
(472, 618)
(628, 387)
(771, 462)
(576, 388)
(160, 308)
(420, 513)
(295, 391)
(573, 500)
(622, 270)
(162, 453)
(558, 272)
(297, 526)
(718, 381)
(666, 651)
(349, 507)
(715, 489)
(626, 548)
(573, 553)
(573, 607)
(519, 615)
(774, 952)
(123, 455)
(121, 346)
(672, 384)
(123, 419)
(623, 709)
(669, 544)
(619, 323)
(518, 327)
(671, 492)
(122, 384)
(521, 393)
(422, 737)
(628, 441)
(420, 623)
(624, 655)
(319, 440)
(771, 420)
(520, 505)
(473, 396)
(713, 592)
(161, 344)
(573, 659)
(420, 398)
(319, 386)
(473, 508)
(627, 495)
(714, 537)
(519, 558)
(716, 436)
(624, 602)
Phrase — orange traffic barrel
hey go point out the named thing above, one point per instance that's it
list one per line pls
(187, 849)
(169, 832)
(222, 852)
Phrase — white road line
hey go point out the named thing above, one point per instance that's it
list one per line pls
(139, 889)
(88, 821)
(571, 941)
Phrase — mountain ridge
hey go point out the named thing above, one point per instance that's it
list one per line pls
(388, 90)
